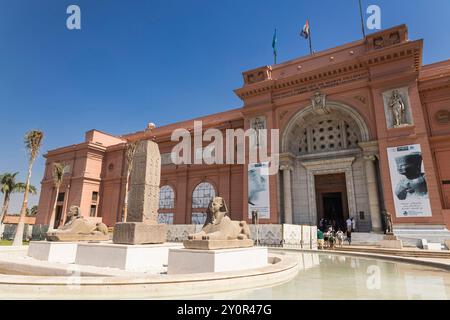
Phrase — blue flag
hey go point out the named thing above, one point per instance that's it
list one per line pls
(274, 45)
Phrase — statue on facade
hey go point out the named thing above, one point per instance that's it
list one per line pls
(78, 228)
(398, 108)
(412, 182)
(219, 231)
(388, 223)
(319, 104)
(258, 124)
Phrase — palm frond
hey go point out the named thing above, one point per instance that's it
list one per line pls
(20, 187)
(33, 141)
(130, 152)
(7, 182)
(59, 169)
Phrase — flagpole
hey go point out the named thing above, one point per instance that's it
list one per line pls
(362, 19)
(309, 38)
(274, 46)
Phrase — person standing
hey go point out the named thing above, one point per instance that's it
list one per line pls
(349, 224)
(320, 239)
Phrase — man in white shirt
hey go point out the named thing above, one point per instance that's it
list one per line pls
(349, 223)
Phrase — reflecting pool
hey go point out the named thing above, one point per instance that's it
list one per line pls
(330, 276)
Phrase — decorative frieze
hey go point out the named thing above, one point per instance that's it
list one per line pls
(258, 75)
(318, 85)
(442, 116)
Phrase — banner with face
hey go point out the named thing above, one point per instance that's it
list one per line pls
(408, 179)
(258, 190)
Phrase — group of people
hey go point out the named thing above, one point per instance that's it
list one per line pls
(328, 234)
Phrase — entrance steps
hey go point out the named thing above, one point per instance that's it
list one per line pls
(405, 252)
(415, 234)
(410, 238)
(366, 238)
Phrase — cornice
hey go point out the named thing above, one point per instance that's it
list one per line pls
(347, 71)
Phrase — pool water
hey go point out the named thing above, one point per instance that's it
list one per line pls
(330, 276)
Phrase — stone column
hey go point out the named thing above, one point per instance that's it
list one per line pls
(287, 194)
(372, 190)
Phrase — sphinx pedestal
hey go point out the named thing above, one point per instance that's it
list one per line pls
(183, 261)
(60, 252)
(137, 258)
(391, 242)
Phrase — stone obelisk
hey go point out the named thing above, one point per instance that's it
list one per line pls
(142, 225)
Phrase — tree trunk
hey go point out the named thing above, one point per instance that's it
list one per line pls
(53, 216)
(5, 207)
(125, 203)
(18, 237)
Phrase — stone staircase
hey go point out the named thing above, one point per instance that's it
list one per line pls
(406, 252)
(410, 238)
(366, 238)
(415, 234)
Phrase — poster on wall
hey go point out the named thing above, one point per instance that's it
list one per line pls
(409, 182)
(258, 190)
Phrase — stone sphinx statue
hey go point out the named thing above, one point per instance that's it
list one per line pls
(219, 231)
(78, 228)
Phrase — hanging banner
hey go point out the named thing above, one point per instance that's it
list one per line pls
(258, 190)
(409, 182)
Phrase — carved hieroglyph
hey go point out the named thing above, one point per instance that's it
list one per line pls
(145, 178)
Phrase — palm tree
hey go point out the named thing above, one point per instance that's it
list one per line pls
(33, 141)
(58, 176)
(129, 156)
(8, 185)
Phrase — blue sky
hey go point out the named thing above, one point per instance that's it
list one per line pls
(135, 62)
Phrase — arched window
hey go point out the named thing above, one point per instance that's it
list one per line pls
(166, 205)
(201, 196)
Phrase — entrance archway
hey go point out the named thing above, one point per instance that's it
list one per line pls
(331, 198)
(319, 146)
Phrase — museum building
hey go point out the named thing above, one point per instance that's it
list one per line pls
(364, 127)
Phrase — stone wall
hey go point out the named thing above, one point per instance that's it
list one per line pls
(286, 235)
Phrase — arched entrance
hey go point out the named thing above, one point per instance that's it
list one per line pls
(327, 158)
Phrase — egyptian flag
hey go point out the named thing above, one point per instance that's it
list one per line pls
(305, 31)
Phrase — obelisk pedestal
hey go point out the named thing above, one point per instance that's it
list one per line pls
(141, 226)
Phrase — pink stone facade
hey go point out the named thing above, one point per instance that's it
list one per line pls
(352, 76)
